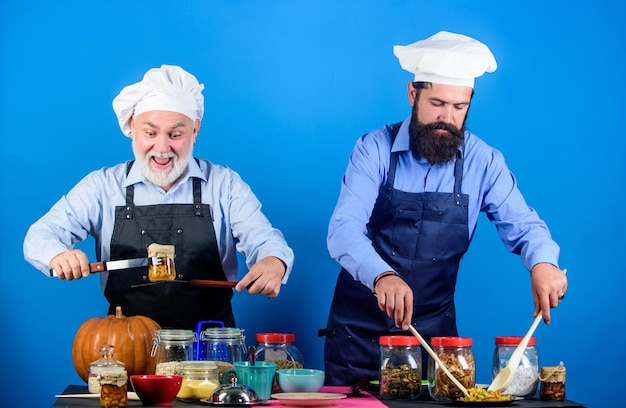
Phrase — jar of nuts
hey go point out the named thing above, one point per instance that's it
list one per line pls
(113, 387)
(400, 367)
(105, 362)
(457, 355)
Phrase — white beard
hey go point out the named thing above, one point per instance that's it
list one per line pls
(162, 178)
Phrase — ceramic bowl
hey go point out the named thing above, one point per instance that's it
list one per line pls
(156, 390)
(300, 379)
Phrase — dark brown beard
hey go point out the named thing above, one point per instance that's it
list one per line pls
(434, 146)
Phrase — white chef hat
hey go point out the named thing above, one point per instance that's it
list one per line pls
(169, 88)
(446, 58)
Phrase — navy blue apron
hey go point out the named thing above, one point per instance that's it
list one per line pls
(422, 236)
(174, 304)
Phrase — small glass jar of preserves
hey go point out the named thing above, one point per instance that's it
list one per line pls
(106, 361)
(457, 355)
(279, 348)
(161, 268)
(199, 379)
(552, 383)
(400, 367)
(225, 344)
(525, 380)
(172, 346)
(113, 387)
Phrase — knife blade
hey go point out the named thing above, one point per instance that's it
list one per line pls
(113, 265)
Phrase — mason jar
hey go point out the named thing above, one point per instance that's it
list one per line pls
(172, 346)
(199, 379)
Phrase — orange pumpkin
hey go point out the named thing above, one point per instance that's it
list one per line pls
(131, 336)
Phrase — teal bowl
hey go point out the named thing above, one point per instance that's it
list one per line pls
(300, 379)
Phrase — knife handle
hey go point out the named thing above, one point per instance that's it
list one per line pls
(93, 267)
(214, 283)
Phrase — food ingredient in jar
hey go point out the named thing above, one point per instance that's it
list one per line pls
(167, 367)
(162, 263)
(193, 389)
(552, 383)
(93, 384)
(482, 394)
(113, 392)
(461, 367)
(524, 382)
(400, 381)
(222, 367)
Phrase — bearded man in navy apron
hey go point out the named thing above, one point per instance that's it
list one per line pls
(164, 196)
(407, 210)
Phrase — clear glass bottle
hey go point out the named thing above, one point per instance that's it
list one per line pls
(552, 383)
(114, 388)
(279, 348)
(199, 379)
(172, 346)
(457, 355)
(225, 344)
(106, 361)
(400, 367)
(526, 376)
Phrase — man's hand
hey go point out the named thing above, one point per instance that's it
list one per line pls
(396, 298)
(549, 285)
(72, 264)
(264, 277)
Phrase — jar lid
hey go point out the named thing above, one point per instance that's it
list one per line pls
(222, 333)
(275, 338)
(513, 340)
(174, 336)
(399, 341)
(451, 341)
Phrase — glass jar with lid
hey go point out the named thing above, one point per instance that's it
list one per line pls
(400, 367)
(106, 361)
(172, 346)
(113, 387)
(552, 383)
(279, 348)
(226, 344)
(199, 379)
(526, 376)
(457, 355)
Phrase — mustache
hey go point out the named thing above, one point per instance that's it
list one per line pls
(441, 126)
(168, 155)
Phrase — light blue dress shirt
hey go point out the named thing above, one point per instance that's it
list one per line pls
(89, 209)
(491, 187)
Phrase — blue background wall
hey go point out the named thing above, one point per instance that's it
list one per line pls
(290, 86)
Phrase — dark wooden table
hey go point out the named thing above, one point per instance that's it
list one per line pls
(423, 402)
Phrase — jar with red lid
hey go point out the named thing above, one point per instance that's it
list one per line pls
(526, 376)
(279, 348)
(457, 355)
(400, 367)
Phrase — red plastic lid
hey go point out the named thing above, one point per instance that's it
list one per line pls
(513, 340)
(399, 341)
(451, 341)
(275, 338)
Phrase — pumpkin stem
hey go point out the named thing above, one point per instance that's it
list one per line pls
(118, 312)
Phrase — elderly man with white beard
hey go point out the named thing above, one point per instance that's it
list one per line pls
(164, 196)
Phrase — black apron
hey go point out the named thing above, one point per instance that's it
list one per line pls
(422, 236)
(174, 304)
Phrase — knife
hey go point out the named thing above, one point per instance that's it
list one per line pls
(113, 265)
(213, 283)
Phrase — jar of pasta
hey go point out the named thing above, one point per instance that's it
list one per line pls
(457, 355)
(526, 376)
(199, 379)
(172, 346)
(400, 367)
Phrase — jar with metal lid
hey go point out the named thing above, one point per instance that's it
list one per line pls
(400, 367)
(113, 387)
(106, 361)
(457, 355)
(279, 348)
(525, 380)
(552, 383)
(199, 379)
(225, 344)
(172, 346)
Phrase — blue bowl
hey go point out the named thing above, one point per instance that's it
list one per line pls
(300, 379)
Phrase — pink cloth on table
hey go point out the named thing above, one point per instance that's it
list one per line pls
(367, 401)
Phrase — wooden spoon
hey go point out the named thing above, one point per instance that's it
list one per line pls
(430, 351)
